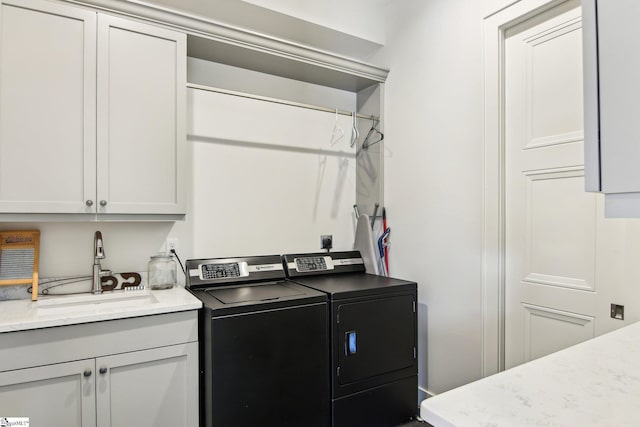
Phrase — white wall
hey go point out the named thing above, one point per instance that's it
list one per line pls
(433, 175)
(360, 18)
(268, 179)
(66, 248)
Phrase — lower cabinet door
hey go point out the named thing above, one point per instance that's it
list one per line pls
(149, 388)
(61, 394)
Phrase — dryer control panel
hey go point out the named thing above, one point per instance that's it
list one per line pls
(323, 263)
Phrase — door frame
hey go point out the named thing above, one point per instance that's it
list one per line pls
(493, 233)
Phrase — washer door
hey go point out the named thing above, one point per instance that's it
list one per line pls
(269, 368)
(254, 293)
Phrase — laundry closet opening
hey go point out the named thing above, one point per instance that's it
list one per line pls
(278, 162)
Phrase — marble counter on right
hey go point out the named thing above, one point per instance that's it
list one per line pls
(594, 383)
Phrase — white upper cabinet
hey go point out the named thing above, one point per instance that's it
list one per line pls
(92, 112)
(611, 40)
(47, 107)
(141, 117)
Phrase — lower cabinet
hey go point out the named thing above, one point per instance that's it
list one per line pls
(60, 394)
(142, 388)
(146, 388)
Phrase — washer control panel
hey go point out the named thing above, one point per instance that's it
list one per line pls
(224, 271)
(221, 271)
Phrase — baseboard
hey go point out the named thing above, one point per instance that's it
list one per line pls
(424, 394)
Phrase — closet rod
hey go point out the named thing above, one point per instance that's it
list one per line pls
(280, 101)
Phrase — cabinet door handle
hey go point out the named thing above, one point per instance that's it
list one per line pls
(87, 373)
(103, 203)
(89, 203)
(103, 370)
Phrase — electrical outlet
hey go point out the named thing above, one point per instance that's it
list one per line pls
(172, 243)
(326, 241)
(617, 311)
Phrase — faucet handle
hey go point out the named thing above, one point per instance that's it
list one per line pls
(98, 246)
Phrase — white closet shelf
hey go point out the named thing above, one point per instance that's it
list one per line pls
(218, 42)
(280, 101)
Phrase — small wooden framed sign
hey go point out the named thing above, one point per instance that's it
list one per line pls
(19, 252)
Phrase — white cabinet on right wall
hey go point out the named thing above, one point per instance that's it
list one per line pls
(611, 40)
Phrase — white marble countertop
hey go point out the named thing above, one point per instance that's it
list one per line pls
(595, 383)
(20, 315)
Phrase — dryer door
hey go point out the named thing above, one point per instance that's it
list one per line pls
(374, 341)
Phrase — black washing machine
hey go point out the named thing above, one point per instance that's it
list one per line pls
(264, 357)
(373, 328)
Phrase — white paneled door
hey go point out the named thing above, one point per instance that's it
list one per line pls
(551, 222)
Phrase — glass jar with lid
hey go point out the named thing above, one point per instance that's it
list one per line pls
(162, 272)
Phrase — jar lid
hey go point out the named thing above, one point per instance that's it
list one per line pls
(161, 255)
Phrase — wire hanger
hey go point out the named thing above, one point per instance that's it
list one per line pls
(354, 130)
(375, 135)
(338, 132)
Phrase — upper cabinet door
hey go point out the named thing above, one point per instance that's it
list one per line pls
(619, 70)
(611, 39)
(141, 118)
(47, 107)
